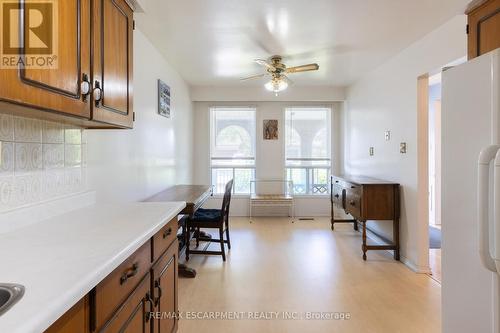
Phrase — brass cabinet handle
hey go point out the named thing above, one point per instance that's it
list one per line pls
(97, 93)
(167, 233)
(85, 87)
(160, 292)
(129, 273)
(151, 307)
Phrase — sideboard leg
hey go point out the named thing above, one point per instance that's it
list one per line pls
(396, 239)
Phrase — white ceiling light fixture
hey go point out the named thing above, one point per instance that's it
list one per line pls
(276, 85)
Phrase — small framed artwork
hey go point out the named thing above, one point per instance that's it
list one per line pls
(271, 129)
(163, 99)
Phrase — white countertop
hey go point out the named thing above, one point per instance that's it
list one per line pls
(60, 259)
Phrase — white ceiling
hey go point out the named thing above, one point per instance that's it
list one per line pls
(214, 42)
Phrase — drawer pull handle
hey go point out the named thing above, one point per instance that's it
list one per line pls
(167, 233)
(160, 292)
(336, 196)
(353, 186)
(129, 273)
(336, 181)
(151, 307)
(352, 203)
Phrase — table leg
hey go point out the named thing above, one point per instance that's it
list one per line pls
(396, 239)
(364, 240)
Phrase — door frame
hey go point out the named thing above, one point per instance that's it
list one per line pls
(423, 172)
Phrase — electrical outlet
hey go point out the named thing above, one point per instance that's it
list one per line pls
(372, 151)
(387, 135)
(402, 147)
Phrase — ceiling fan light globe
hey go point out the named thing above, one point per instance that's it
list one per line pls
(276, 85)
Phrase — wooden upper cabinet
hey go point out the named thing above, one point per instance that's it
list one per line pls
(112, 65)
(484, 27)
(61, 45)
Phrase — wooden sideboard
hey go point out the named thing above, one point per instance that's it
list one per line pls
(367, 199)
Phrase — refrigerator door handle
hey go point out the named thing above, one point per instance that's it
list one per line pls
(483, 182)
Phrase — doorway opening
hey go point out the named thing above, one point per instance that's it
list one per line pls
(429, 168)
(434, 159)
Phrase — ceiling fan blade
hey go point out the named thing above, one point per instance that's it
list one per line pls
(265, 64)
(303, 68)
(252, 77)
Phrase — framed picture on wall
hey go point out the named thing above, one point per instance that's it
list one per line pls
(163, 99)
(270, 129)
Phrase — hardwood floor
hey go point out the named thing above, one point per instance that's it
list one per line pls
(435, 264)
(278, 266)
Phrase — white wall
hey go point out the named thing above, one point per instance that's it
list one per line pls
(270, 158)
(130, 165)
(386, 99)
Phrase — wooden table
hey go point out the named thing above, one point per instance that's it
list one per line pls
(194, 196)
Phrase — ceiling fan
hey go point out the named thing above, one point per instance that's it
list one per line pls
(278, 70)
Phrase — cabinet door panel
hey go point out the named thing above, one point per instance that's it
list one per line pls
(165, 285)
(56, 88)
(113, 62)
(75, 320)
(484, 28)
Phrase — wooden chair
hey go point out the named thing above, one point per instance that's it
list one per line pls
(213, 219)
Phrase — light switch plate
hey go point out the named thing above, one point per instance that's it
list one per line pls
(402, 147)
(372, 151)
(387, 135)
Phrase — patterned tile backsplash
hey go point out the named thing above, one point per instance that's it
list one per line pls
(40, 160)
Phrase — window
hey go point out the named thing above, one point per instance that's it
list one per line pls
(308, 149)
(232, 153)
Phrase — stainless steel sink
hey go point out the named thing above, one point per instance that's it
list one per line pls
(9, 295)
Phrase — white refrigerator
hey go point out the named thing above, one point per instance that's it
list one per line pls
(470, 193)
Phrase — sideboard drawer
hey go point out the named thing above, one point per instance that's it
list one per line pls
(353, 203)
(337, 195)
(164, 238)
(115, 288)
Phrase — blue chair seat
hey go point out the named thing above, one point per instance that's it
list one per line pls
(207, 215)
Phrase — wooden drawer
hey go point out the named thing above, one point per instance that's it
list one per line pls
(133, 315)
(115, 288)
(164, 238)
(353, 203)
(337, 195)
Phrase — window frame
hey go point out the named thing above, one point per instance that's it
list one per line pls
(233, 167)
(310, 168)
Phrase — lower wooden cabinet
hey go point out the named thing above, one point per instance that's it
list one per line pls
(134, 314)
(76, 320)
(125, 301)
(165, 291)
